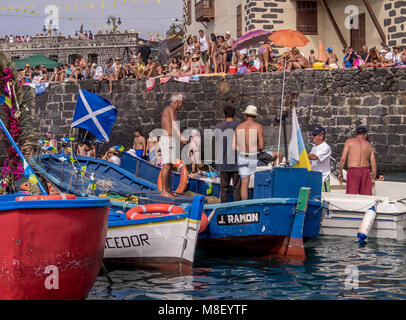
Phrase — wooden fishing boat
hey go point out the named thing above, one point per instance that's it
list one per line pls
(50, 249)
(272, 210)
(77, 176)
(156, 241)
(162, 241)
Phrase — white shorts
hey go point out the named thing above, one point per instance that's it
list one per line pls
(247, 164)
(169, 148)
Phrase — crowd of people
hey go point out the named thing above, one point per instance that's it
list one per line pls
(208, 55)
(248, 151)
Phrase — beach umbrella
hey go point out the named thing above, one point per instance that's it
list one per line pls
(289, 38)
(286, 38)
(322, 54)
(250, 38)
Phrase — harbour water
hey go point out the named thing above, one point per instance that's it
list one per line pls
(334, 268)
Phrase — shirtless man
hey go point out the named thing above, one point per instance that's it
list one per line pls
(360, 154)
(248, 141)
(82, 149)
(332, 60)
(168, 141)
(139, 144)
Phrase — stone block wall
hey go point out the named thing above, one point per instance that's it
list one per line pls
(339, 100)
(395, 22)
(104, 46)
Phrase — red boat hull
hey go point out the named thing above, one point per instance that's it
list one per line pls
(51, 253)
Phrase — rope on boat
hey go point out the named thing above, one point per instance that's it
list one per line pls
(360, 209)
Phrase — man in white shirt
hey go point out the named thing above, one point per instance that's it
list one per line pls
(320, 156)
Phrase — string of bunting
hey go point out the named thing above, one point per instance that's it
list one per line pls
(87, 5)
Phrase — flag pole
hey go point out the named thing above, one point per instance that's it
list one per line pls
(281, 115)
(10, 138)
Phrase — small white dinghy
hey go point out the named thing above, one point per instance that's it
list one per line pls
(346, 212)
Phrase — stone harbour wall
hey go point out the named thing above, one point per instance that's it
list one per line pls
(339, 100)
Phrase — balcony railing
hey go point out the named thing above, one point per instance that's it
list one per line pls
(204, 10)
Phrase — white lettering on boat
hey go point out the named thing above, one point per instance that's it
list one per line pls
(238, 218)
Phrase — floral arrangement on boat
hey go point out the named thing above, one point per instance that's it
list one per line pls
(15, 104)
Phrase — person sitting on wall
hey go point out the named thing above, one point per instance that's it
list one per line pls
(349, 58)
(196, 65)
(312, 58)
(297, 61)
(386, 57)
(373, 59)
(332, 60)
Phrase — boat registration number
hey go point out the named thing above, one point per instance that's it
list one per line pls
(238, 218)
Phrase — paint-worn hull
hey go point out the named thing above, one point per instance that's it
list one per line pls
(51, 249)
(164, 245)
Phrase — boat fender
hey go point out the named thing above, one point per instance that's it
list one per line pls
(204, 222)
(48, 197)
(184, 177)
(366, 224)
(139, 212)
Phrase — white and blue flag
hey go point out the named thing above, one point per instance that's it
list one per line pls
(94, 114)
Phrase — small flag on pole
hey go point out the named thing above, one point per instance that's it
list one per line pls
(119, 148)
(298, 157)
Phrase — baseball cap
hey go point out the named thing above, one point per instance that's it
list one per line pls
(330, 49)
(319, 130)
(361, 130)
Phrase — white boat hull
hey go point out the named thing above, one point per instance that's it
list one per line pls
(346, 212)
(168, 245)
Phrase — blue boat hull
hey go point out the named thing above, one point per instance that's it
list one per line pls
(284, 184)
(269, 216)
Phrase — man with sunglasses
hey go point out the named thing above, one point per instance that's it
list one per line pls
(320, 156)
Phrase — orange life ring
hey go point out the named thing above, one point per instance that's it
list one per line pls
(204, 222)
(49, 197)
(145, 211)
(184, 177)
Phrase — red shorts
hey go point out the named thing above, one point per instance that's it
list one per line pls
(359, 181)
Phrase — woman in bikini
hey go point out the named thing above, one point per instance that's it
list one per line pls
(264, 53)
(185, 70)
(196, 64)
(174, 64)
(213, 52)
(222, 53)
(373, 59)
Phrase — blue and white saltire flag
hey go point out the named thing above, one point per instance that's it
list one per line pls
(94, 114)
(297, 151)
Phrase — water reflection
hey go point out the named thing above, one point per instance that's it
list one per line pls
(380, 267)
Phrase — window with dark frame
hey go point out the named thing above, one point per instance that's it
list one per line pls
(239, 21)
(92, 57)
(307, 17)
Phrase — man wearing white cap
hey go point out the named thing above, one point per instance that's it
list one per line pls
(248, 141)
